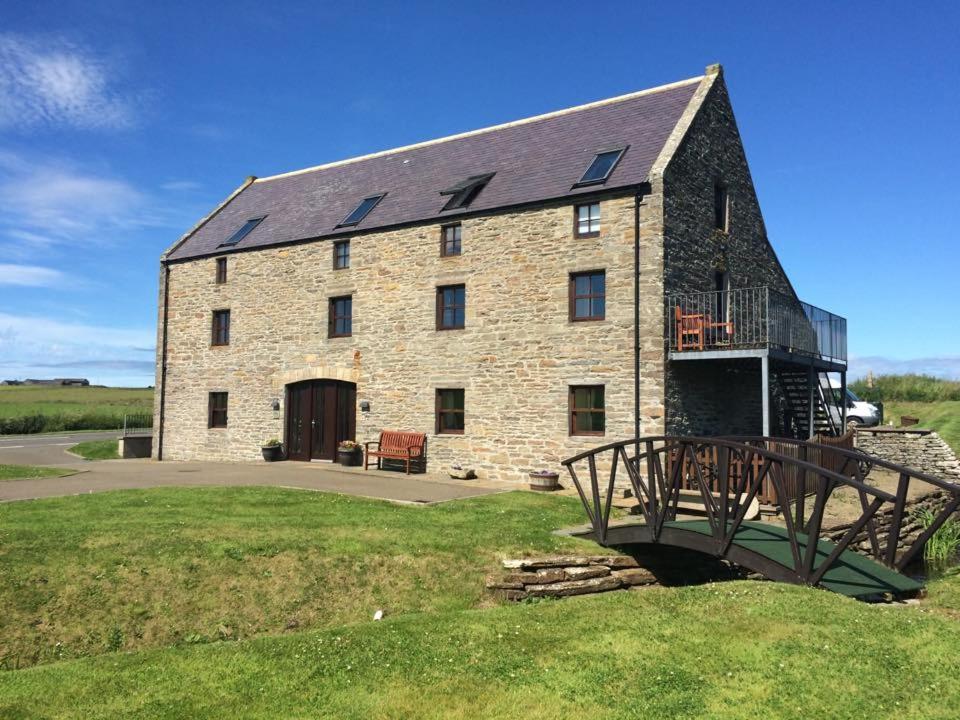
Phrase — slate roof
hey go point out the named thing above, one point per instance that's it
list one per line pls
(534, 160)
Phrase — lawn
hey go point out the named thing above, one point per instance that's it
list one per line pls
(23, 472)
(42, 408)
(943, 416)
(97, 450)
(736, 650)
(84, 575)
(257, 603)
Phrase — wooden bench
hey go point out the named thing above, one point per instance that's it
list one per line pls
(410, 447)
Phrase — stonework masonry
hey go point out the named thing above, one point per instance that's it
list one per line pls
(712, 152)
(515, 359)
(518, 354)
(922, 450)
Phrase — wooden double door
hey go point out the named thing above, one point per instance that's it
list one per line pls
(320, 413)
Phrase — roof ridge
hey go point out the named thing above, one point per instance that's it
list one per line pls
(480, 131)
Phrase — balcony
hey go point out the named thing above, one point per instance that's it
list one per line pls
(755, 322)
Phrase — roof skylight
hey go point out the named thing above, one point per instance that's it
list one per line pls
(362, 210)
(244, 230)
(601, 167)
(464, 192)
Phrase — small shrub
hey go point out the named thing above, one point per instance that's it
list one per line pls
(114, 639)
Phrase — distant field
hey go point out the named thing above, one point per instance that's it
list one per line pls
(41, 408)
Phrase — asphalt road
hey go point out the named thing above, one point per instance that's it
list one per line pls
(45, 449)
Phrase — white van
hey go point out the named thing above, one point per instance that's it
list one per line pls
(859, 412)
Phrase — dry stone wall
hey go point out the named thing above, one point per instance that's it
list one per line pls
(516, 357)
(922, 450)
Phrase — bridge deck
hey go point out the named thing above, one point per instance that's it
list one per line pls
(852, 574)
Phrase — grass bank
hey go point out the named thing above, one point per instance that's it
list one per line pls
(24, 472)
(97, 450)
(41, 408)
(944, 417)
(137, 569)
(737, 650)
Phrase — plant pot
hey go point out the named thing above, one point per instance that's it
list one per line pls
(544, 482)
(462, 473)
(272, 453)
(350, 458)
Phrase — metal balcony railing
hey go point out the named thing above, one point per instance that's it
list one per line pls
(754, 318)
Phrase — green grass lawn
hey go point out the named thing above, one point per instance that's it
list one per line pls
(23, 472)
(42, 408)
(83, 575)
(257, 603)
(736, 650)
(943, 416)
(97, 450)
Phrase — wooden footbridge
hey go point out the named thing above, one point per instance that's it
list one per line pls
(728, 474)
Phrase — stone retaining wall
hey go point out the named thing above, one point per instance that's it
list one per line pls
(909, 531)
(922, 450)
(566, 575)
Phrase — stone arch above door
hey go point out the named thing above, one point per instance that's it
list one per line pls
(315, 372)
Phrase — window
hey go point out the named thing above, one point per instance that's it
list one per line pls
(341, 255)
(601, 167)
(587, 413)
(341, 316)
(450, 412)
(464, 192)
(450, 236)
(721, 283)
(221, 327)
(244, 230)
(217, 410)
(221, 271)
(365, 206)
(587, 220)
(588, 295)
(721, 207)
(451, 306)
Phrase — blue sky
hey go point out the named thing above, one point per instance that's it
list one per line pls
(123, 122)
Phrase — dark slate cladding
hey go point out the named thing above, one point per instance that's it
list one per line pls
(538, 160)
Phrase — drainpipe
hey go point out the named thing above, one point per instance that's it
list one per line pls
(636, 321)
(163, 358)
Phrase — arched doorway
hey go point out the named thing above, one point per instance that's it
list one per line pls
(320, 413)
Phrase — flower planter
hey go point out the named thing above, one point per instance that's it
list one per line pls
(272, 453)
(350, 458)
(544, 481)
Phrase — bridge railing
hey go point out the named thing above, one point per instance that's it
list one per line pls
(727, 475)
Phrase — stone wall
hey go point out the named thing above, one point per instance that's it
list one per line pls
(910, 529)
(564, 576)
(516, 357)
(715, 397)
(694, 250)
(922, 450)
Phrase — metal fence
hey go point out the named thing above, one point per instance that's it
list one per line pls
(137, 424)
(750, 318)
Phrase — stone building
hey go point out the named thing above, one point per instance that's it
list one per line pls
(487, 289)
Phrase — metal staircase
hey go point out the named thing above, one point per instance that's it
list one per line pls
(795, 390)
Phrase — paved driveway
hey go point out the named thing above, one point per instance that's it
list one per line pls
(130, 474)
(45, 449)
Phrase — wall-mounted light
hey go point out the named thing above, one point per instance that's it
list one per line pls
(275, 404)
(365, 406)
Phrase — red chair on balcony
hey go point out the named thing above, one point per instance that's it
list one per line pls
(690, 330)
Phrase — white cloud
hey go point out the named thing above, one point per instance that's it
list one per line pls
(947, 366)
(30, 276)
(31, 345)
(47, 202)
(50, 81)
(181, 185)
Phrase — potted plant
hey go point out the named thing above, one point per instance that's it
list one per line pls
(272, 450)
(544, 480)
(349, 453)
